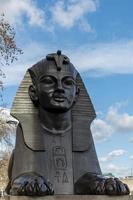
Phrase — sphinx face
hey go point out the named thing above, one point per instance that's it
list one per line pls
(56, 90)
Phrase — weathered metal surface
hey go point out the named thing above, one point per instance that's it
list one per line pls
(70, 197)
(55, 164)
(54, 144)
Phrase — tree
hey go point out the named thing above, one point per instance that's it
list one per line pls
(8, 54)
(8, 50)
(7, 135)
(4, 160)
(7, 127)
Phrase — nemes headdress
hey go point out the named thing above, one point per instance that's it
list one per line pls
(24, 110)
(53, 61)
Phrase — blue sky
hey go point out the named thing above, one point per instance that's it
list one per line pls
(97, 35)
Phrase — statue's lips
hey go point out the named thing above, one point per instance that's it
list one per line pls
(59, 98)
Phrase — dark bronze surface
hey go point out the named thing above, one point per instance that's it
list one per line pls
(54, 151)
(91, 183)
(31, 184)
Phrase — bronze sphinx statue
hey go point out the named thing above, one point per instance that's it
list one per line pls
(54, 151)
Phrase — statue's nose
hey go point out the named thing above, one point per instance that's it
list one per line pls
(60, 87)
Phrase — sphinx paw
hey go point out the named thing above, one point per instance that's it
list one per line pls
(30, 184)
(91, 183)
(114, 186)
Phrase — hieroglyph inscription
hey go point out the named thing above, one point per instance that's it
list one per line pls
(60, 164)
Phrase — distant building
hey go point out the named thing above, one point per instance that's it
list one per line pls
(129, 181)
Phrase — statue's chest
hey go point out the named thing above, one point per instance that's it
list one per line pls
(58, 158)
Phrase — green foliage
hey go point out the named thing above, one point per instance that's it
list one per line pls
(110, 175)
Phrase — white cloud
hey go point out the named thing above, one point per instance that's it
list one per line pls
(95, 60)
(113, 154)
(64, 13)
(104, 59)
(119, 171)
(122, 122)
(15, 74)
(71, 12)
(101, 130)
(15, 10)
(131, 157)
(113, 122)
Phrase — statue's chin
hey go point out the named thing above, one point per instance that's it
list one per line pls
(58, 107)
(57, 110)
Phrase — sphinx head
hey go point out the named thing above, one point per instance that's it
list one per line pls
(54, 83)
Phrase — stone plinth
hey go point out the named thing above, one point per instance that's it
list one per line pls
(70, 197)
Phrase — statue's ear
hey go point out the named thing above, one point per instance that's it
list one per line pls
(33, 95)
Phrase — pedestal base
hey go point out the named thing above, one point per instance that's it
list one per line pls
(70, 197)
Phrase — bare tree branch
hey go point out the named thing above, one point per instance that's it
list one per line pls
(8, 50)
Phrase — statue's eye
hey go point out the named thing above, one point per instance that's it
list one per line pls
(48, 80)
(68, 82)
